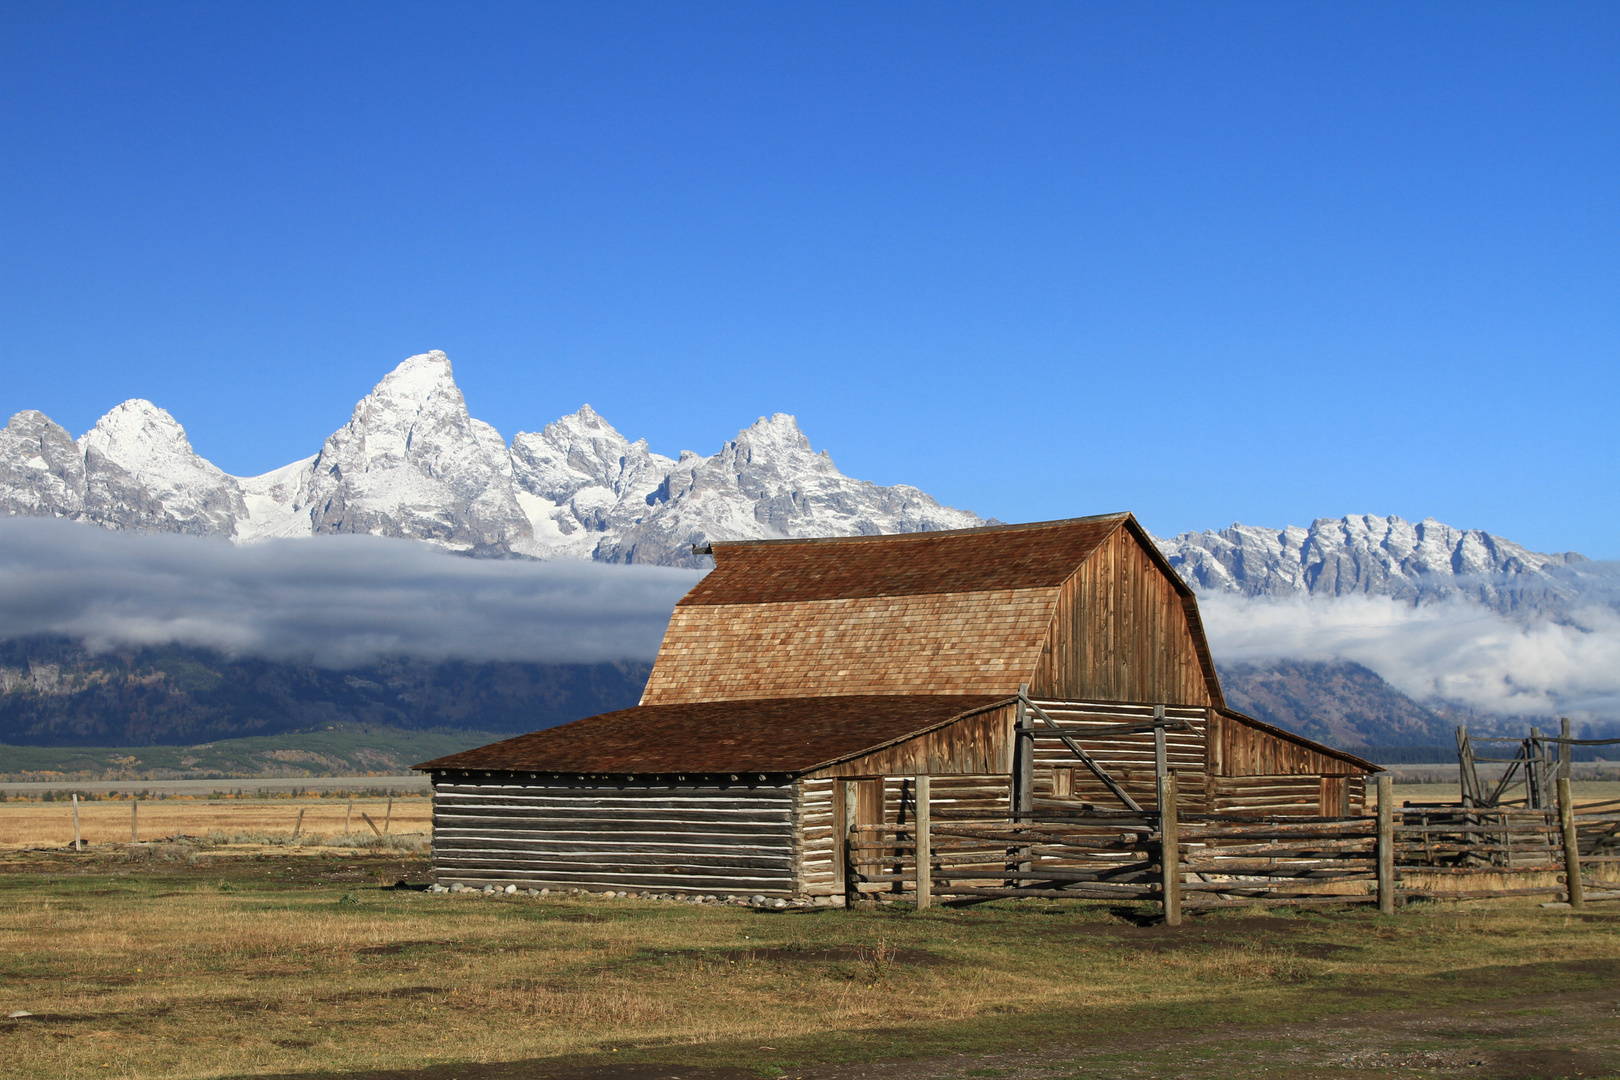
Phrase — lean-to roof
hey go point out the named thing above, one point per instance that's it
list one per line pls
(785, 735)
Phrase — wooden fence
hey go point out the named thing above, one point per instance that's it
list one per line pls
(1227, 860)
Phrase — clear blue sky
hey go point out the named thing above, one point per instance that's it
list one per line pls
(1211, 262)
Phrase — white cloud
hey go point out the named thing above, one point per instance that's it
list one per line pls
(1457, 651)
(337, 600)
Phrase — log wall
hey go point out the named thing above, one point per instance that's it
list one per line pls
(601, 834)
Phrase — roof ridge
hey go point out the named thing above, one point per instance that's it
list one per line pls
(930, 533)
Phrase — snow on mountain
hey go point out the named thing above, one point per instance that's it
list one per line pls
(1376, 556)
(41, 469)
(768, 482)
(412, 463)
(141, 473)
(582, 483)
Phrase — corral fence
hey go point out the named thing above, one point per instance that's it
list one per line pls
(1230, 860)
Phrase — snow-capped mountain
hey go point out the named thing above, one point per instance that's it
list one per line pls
(412, 463)
(1380, 556)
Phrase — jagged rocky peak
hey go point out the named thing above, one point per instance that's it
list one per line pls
(141, 473)
(41, 468)
(1371, 555)
(411, 462)
(769, 482)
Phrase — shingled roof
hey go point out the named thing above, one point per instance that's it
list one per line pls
(784, 735)
(960, 612)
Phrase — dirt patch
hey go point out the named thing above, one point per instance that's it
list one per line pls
(395, 948)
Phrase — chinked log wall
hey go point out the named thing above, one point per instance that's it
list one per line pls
(601, 834)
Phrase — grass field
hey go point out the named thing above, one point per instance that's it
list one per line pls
(200, 961)
(26, 824)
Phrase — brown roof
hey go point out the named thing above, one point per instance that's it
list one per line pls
(992, 559)
(776, 735)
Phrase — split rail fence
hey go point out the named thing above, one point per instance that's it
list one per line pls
(1229, 860)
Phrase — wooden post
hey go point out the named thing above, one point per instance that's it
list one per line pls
(134, 821)
(299, 824)
(388, 819)
(365, 817)
(852, 816)
(348, 817)
(1023, 760)
(1023, 777)
(1564, 755)
(1467, 775)
(1572, 848)
(77, 846)
(1386, 845)
(1170, 851)
(1161, 754)
(921, 826)
(1535, 788)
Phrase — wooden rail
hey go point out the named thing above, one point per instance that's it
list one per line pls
(1197, 861)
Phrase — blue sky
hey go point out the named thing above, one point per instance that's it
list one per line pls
(1257, 262)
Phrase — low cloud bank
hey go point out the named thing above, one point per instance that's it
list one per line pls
(1457, 650)
(339, 601)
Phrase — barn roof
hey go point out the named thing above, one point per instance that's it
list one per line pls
(991, 559)
(961, 612)
(778, 735)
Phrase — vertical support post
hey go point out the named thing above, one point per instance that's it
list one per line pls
(1023, 775)
(1386, 845)
(1572, 848)
(77, 845)
(851, 861)
(1467, 777)
(299, 824)
(1564, 754)
(1161, 754)
(134, 821)
(388, 819)
(1023, 759)
(348, 816)
(922, 827)
(1535, 757)
(1170, 851)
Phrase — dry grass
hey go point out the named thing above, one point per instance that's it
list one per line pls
(50, 824)
(235, 969)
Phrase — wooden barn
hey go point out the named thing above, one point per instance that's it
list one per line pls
(804, 685)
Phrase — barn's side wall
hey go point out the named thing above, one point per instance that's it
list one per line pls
(1120, 632)
(601, 834)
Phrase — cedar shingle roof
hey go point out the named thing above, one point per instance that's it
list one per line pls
(991, 559)
(960, 612)
(782, 735)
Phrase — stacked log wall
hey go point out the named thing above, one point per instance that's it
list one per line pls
(605, 834)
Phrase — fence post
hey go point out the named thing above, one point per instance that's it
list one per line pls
(1386, 845)
(1564, 754)
(922, 826)
(1170, 852)
(299, 824)
(852, 865)
(1572, 847)
(134, 821)
(77, 846)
